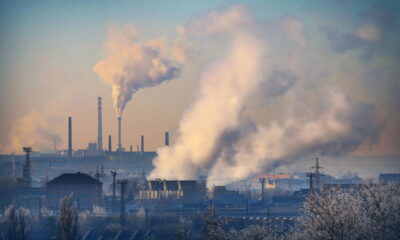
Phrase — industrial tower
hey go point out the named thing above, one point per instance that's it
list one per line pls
(99, 127)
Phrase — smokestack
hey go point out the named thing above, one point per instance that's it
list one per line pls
(100, 127)
(109, 143)
(69, 137)
(142, 143)
(166, 138)
(119, 134)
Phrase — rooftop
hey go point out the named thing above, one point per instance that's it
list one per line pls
(74, 178)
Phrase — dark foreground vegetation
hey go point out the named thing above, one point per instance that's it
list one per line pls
(366, 211)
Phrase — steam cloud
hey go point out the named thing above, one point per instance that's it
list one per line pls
(131, 65)
(35, 130)
(224, 86)
(216, 141)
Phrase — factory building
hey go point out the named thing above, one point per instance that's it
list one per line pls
(86, 190)
(224, 197)
(174, 189)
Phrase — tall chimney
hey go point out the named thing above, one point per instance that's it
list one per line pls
(69, 137)
(142, 143)
(99, 127)
(119, 134)
(166, 138)
(109, 143)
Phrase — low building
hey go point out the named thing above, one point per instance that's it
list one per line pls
(86, 190)
(224, 197)
(186, 190)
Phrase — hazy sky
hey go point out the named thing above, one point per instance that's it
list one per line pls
(49, 50)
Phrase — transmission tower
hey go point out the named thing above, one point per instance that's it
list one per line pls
(122, 182)
(26, 171)
(317, 173)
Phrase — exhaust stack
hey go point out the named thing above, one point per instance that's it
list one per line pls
(142, 143)
(166, 138)
(69, 137)
(119, 134)
(100, 127)
(109, 143)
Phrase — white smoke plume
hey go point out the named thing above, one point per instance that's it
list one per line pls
(214, 138)
(332, 127)
(131, 65)
(224, 86)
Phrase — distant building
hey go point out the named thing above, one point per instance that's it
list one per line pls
(387, 178)
(92, 150)
(224, 197)
(187, 190)
(344, 186)
(280, 201)
(86, 190)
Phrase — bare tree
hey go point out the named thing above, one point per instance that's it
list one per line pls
(212, 229)
(17, 222)
(68, 220)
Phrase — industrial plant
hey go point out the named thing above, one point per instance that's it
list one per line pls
(114, 182)
(200, 120)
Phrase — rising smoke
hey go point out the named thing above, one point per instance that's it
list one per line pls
(216, 141)
(131, 65)
(36, 130)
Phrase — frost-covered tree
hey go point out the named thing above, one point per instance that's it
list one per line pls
(364, 212)
(212, 229)
(17, 222)
(68, 220)
(379, 211)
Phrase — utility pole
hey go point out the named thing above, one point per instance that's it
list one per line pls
(114, 174)
(26, 171)
(97, 175)
(122, 182)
